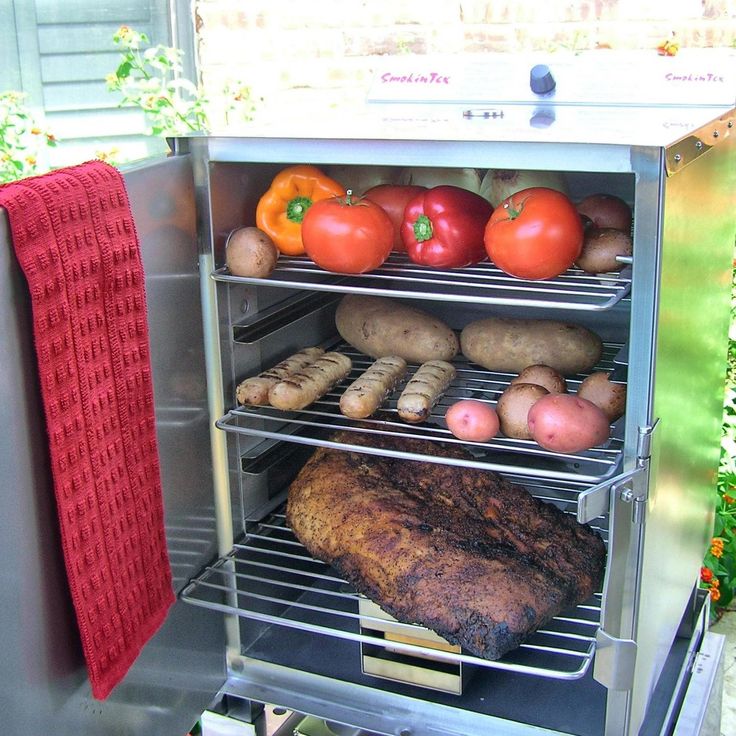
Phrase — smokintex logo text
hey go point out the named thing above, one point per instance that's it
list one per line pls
(428, 78)
(694, 77)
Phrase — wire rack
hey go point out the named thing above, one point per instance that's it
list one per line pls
(271, 578)
(482, 283)
(316, 424)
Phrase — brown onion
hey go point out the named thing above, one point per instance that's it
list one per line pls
(606, 210)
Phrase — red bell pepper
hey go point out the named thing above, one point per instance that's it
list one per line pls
(443, 227)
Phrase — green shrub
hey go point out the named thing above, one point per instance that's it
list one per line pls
(22, 139)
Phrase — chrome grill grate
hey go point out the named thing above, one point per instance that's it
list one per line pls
(271, 578)
(482, 283)
(315, 424)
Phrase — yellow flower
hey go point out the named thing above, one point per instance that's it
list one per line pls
(108, 155)
(31, 160)
(36, 131)
(716, 547)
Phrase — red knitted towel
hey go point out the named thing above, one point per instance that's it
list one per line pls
(76, 242)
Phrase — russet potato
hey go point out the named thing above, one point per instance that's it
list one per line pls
(511, 344)
(379, 327)
(513, 408)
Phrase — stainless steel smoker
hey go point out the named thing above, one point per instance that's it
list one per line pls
(258, 621)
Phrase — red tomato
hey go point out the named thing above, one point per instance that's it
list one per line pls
(347, 234)
(534, 234)
(443, 227)
(394, 198)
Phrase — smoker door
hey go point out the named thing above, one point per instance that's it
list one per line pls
(43, 679)
(695, 263)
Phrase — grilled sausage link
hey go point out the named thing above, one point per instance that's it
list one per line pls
(424, 389)
(254, 390)
(311, 383)
(366, 393)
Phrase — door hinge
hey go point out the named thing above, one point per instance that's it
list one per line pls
(595, 501)
(615, 660)
(644, 441)
(628, 492)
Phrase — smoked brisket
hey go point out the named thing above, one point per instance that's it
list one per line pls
(460, 551)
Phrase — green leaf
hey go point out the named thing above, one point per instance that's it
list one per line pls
(718, 526)
(726, 596)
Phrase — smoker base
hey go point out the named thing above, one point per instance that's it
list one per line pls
(322, 676)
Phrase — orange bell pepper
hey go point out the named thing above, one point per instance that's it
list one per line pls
(281, 209)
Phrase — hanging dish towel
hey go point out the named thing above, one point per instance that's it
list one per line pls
(76, 242)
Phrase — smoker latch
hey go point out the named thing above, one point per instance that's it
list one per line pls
(595, 501)
(614, 661)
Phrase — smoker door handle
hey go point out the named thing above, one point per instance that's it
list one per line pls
(595, 501)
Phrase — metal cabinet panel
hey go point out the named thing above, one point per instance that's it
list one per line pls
(43, 681)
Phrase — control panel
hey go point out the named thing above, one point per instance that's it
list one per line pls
(695, 77)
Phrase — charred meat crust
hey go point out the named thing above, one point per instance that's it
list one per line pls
(461, 551)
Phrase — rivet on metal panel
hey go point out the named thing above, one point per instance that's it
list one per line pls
(699, 145)
(715, 134)
(626, 494)
(729, 124)
(237, 665)
(677, 157)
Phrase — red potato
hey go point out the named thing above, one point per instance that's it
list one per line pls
(472, 421)
(566, 423)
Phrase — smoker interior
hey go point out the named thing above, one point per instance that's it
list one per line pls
(294, 611)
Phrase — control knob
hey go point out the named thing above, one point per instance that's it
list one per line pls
(541, 80)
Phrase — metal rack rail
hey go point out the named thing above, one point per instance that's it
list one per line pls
(482, 283)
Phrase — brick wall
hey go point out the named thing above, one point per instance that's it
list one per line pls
(288, 51)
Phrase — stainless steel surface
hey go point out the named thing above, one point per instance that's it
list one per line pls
(696, 239)
(685, 151)
(276, 582)
(700, 714)
(354, 704)
(375, 709)
(623, 80)
(43, 681)
(615, 99)
(621, 585)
